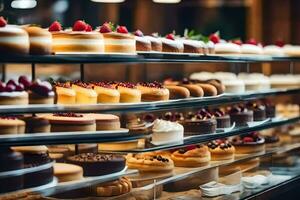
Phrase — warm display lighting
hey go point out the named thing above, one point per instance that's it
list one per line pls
(166, 1)
(108, 1)
(23, 4)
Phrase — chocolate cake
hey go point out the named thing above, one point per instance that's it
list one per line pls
(10, 160)
(240, 116)
(270, 109)
(259, 111)
(96, 164)
(223, 119)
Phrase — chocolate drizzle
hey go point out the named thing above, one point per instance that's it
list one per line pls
(70, 114)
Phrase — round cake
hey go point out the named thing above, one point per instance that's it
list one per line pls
(150, 163)
(249, 143)
(129, 93)
(240, 116)
(106, 121)
(166, 132)
(191, 156)
(64, 94)
(117, 40)
(40, 92)
(67, 172)
(69, 122)
(85, 93)
(12, 93)
(223, 119)
(95, 164)
(14, 40)
(259, 111)
(221, 150)
(40, 40)
(11, 125)
(36, 156)
(80, 39)
(36, 124)
(273, 50)
(251, 49)
(153, 91)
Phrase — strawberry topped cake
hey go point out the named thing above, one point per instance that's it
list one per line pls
(171, 44)
(251, 47)
(81, 38)
(13, 39)
(142, 43)
(117, 39)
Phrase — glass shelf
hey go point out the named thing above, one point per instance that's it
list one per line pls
(142, 58)
(208, 137)
(146, 106)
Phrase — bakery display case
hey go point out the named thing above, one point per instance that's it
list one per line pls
(188, 117)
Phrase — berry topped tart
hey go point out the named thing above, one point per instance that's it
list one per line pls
(221, 149)
(117, 39)
(223, 47)
(171, 44)
(251, 47)
(142, 42)
(249, 143)
(13, 39)
(81, 38)
(12, 93)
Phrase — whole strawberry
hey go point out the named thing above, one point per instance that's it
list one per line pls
(2, 22)
(122, 29)
(252, 41)
(55, 26)
(79, 26)
(214, 37)
(105, 28)
(88, 28)
(170, 36)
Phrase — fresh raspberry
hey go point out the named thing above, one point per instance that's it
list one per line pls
(279, 43)
(248, 139)
(2, 22)
(252, 41)
(237, 41)
(88, 28)
(105, 28)
(122, 29)
(55, 26)
(79, 26)
(138, 33)
(170, 36)
(215, 38)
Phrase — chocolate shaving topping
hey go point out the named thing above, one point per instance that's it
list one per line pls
(127, 85)
(154, 84)
(104, 85)
(70, 114)
(82, 84)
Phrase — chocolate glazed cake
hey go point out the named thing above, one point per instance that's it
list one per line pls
(95, 164)
(241, 116)
(10, 161)
(223, 119)
(259, 111)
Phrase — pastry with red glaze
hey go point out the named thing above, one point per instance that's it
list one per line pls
(80, 39)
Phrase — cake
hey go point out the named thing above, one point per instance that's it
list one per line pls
(202, 122)
(35, 156)
(209, 48)
(84, 93)
(40, 40)
(10, 161)
(166, 132)
(251, 47)
(240, 116)
(255, 81)
(64, 94)
(227, 48)
(259, 111)
(106, 93)
(150, 163)
(80, 39)
(270, 109)
(170, 44)
(249, 143)
(284, 81)
(272, 141)
(35, 124)
(156, 43)
(11, 125)
(12, 93)
(153, 91)
(14, 40)
(142, 43)
(117, 40)
(221, 150)
(129, 93)
(105, 122)
(191, 156)
(113, 188)
(193, 46)
(223, 119)
(273, 50)
(40, 92)
(95, 164)
(69, 122)
(67, 172)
